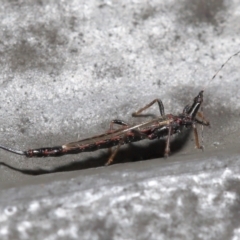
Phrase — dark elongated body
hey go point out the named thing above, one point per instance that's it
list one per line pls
(107, 140)
(165, 125)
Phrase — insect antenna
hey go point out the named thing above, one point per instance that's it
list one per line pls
(214, 76)
(13, 150)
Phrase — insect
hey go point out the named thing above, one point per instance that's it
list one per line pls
(164, 125)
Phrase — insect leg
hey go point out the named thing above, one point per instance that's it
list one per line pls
(162, 132)
(112, 156)
(201, 119)
(125, 139)
(167, 148)
(197, 144)
(160, 105)
(117, 122)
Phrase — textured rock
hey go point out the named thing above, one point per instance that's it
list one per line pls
(68, 69)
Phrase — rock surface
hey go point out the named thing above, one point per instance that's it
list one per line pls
(68, 69)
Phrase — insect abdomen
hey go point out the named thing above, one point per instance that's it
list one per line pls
(45, 152)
